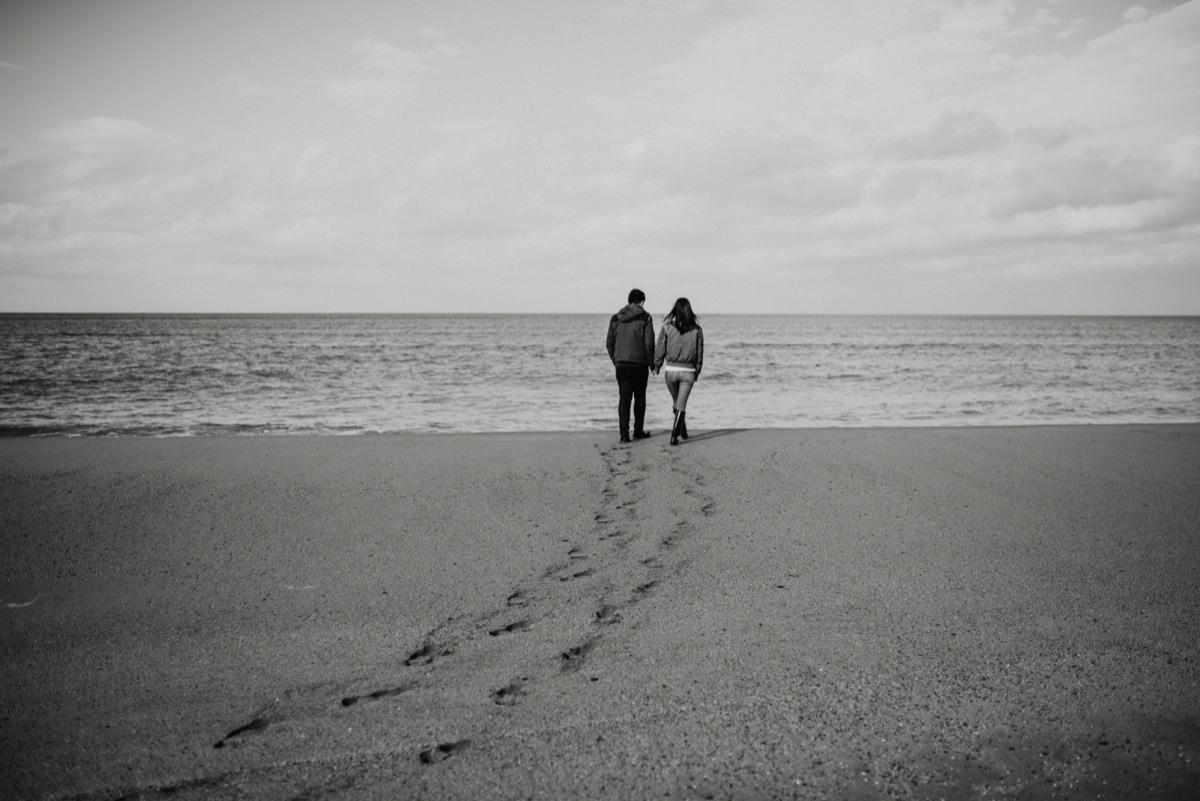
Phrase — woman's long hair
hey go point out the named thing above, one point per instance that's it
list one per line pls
(681, 316)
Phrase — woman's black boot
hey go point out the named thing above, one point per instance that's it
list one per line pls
(682, 426)
(675, 427)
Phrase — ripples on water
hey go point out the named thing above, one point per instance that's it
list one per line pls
(188, 375)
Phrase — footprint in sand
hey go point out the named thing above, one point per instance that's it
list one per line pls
(608, 614)
(257, 724)
(573, 658)
(678, 533)
(517, 599)
(351, 700)
(443, 751)
(509, 694)
(520, 625)
(581, 574)
(427, 653)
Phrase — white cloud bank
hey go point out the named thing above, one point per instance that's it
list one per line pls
(859, 156)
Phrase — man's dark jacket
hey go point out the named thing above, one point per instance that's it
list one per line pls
(631, 336)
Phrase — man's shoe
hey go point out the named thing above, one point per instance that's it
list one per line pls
(641, 434)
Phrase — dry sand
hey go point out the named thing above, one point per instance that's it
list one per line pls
(909, 613)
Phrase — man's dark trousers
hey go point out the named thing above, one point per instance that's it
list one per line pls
(632, 378)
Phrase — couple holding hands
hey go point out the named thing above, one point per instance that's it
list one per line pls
(678, 354)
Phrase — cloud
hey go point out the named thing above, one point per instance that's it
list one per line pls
(786, 147)
(107, 135)
(1043, 20)
(108, 191)
(1080, 180)
(90, 154)
(386, 59)
(950, 89)
(634, 147)
(385, 78)
(1072, 30)
(1049, 137)
(312, 162)
(953, 134)
(1135, 14)
(250, 87)
(794, 144)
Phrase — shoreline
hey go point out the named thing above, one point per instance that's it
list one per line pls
(814, 613)
(11, 433)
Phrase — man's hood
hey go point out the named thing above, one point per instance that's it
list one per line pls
(632, 312)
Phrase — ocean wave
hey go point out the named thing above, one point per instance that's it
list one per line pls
(34, 430)
(199, 376)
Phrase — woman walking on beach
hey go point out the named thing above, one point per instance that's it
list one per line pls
(679, 353)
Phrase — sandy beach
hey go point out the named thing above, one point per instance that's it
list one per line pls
(900, 613)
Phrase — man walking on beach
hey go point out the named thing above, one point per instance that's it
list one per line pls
(631, 348)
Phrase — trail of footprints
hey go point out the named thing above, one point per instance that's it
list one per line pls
(613, 531)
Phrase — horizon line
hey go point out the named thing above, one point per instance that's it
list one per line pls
(69, 313)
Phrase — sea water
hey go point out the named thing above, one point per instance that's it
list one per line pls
(170, 375)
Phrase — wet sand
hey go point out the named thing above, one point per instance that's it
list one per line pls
(902, 613)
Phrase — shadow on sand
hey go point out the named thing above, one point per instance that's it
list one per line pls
(719, 432)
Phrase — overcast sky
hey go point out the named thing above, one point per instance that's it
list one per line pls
(906, 156)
